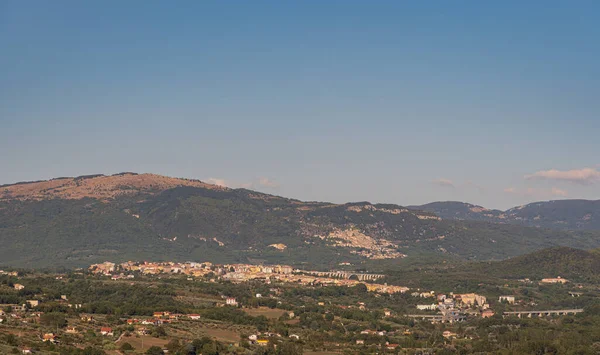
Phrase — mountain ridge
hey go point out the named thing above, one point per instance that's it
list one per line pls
(96, 186)
(568, 214)
(569, 263)
(88, 219)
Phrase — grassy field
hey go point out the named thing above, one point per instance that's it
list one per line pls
(5, 349)
(264, 311)
(224, 335)
(219, 331)
(148, 341)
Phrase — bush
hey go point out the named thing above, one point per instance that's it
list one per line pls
(155, 350)
(126, 347)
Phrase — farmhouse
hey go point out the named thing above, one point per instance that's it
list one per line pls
(556, 280)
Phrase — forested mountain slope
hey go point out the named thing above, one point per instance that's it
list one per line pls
(83, 220)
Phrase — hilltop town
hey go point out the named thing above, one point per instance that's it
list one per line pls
(243, 272)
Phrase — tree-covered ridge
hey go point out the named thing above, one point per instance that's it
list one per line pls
(238, 225)
(560, 214)
(574, 265)
(569, 263)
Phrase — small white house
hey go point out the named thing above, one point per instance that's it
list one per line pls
(508, 299)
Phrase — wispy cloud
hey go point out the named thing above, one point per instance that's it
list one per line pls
(217, 181)
(266, 182)
(471, 185)
(510, 190)
(585, 176)
(537, 193)
(558, 192)
(443, 182)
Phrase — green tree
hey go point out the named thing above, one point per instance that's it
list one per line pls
(289, 348)
(155, 350)
(159, 332)
(173, 346)
(10, 339)
(210, 349)
(93, 351)
(126, 347)
(54, 320)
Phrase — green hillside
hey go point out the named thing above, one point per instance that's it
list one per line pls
(231, 225)
(573, 264)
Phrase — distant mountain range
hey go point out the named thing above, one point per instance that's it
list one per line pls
(82, 220)
(559, 214)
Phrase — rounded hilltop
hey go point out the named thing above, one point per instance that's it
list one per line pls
(96, 186)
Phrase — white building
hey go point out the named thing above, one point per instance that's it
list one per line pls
(508, 299)
(427, 307)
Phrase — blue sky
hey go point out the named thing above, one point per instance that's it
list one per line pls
(385, 101)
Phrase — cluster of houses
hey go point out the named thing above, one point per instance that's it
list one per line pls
(9, 273)
(263, 338)
(163, 317)
(158, 318)
(306, 279)
(387, 344)
(187, 268)
(456, 307)
(235, 273)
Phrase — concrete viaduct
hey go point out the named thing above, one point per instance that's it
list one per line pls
(433, 318)
(529, 314)
(347, 275)
(439, 318)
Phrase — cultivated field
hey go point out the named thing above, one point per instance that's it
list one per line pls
(148, 341)
(264, 311)
(224, 335)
